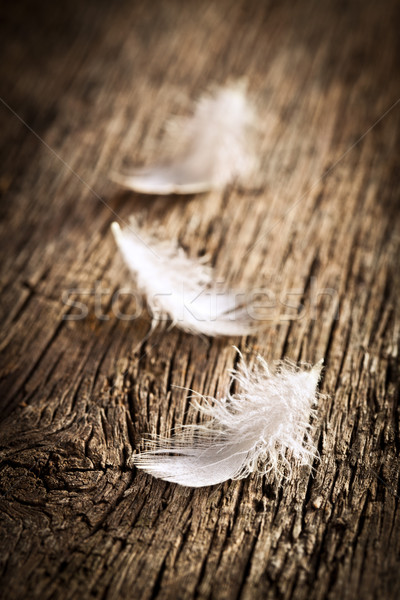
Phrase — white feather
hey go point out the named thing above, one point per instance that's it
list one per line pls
(250, 431)
(208, 150)
(180, 289)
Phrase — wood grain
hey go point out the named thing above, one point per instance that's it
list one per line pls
(86, 88)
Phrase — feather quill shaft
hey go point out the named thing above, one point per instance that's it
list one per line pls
(180, 289)
(249, 431)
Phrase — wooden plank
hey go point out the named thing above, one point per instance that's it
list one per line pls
(86, 88)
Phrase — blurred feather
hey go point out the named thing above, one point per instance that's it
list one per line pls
(212, 148)
(180, 289)
(249, 431)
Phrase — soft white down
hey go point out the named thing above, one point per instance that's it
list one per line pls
(180, 290)
(261, 427)
(213, 147)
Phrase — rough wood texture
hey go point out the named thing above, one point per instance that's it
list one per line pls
(96, 82)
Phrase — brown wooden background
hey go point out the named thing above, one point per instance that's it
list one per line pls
(94, 83)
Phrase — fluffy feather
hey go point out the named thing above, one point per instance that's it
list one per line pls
(180, 289)
(248, 431)
(208, 150)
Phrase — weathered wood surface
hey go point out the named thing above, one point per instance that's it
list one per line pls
(96, 81)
